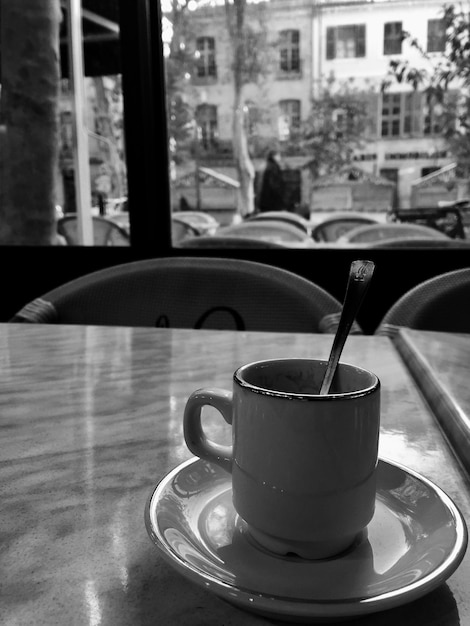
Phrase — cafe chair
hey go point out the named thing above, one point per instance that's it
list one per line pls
(222, 242)
(441, 303)
(334, 227)
(193, 292)
(205, 223)
(282, 216)
(180, 229)
(270, 230)
(106, 232)
(380, 232)
(415, 242)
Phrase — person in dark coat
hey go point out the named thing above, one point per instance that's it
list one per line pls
(272, 193)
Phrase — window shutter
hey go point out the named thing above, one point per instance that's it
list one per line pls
(387, 35)
(436, 36)
(330, 42)
(360, 37)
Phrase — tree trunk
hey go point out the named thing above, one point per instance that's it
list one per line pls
(246, 171)
(30, 105)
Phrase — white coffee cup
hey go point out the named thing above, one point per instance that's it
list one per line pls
(303, 465)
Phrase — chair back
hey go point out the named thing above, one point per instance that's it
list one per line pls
(441, 303)
(336, 226)
(269, 230)
(381, 232)
(106, 232)
(229, 241)
(193, 292)
(415, 242)
(180, 229)
(283, 216)
(206, 224)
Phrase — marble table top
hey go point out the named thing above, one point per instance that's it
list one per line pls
(440, 364)
(91, 420)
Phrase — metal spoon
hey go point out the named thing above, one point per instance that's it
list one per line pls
(360, 274)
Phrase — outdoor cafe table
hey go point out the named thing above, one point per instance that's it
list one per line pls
(91, 420)
(440, 364)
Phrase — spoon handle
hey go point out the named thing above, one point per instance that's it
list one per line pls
(360, 274)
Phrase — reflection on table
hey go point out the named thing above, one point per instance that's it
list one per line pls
(439, 363)
(91, 420)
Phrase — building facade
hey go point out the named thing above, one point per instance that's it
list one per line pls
(357, 40)
(302, 46)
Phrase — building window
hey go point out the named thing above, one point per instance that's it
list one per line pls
(290, 51)
(392, 37)
(391, 114)
(346, 42)
(399, 114)
(205, 57)
(290, 112)
(344, 122)
(206, 117)
(436, 36)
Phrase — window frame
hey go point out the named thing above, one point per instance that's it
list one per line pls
(291, 108)
(290, 49)
(149, 203)
(359, 34)
(146, 133)
(206, 63)
(408, 119)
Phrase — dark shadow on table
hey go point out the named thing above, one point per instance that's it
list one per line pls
(437, 608)
(162, 596)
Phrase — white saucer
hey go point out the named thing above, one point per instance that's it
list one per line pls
(415, 541)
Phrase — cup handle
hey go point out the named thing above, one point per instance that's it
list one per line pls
(194, 435)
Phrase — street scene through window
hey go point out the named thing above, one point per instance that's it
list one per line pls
(318, 114)
(347, 107)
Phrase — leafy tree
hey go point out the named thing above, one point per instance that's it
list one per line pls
(30, 115)
(247, 41)
(444, 81)
(336, 126)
